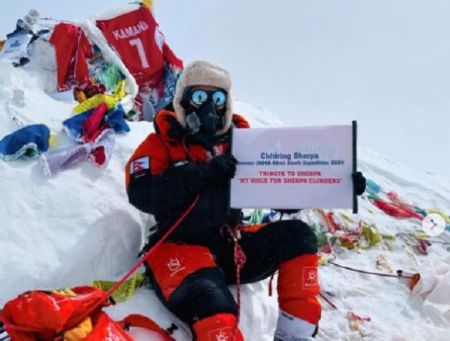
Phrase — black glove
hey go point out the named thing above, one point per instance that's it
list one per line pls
(177, 186)
(222, 166)
(189, 178)
(360, 182)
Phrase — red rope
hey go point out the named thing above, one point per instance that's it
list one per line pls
(240, 259)
(152, 250)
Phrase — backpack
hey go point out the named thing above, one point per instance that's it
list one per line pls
(69, 315)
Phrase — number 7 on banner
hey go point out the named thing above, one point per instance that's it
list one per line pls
(140, 48)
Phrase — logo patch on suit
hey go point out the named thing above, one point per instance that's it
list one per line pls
(309, 277)
(223, 334)
(174, 266)
(139, 165)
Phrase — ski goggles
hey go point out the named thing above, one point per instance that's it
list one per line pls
(200, 96)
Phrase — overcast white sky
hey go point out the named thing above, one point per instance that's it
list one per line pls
(384, 63)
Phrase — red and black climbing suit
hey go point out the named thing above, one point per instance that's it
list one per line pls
(192, 269)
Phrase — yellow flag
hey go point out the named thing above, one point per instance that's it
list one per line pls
(148, 4)
(123, 292)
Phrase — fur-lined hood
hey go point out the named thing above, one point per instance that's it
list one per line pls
(203, 73)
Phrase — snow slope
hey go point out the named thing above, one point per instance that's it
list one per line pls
(79, 226)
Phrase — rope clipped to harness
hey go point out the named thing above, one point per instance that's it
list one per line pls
(239, 261)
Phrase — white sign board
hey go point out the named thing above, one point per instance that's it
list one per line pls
(294, 167)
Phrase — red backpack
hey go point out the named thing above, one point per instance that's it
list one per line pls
(69, 315)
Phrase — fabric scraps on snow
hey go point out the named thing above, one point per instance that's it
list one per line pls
(371, 235)
(348, 232)
(25, 143)
(372, 189)
(421, 211)
(87, 90)
(98, 152)
(396, 199)
(422, 246)
(349, 240)
(328, 247)
(30, 24)
(72, 51)
(120, 91)
(114, 119)
(333, 227)
(423, 242)
(383, 264)
(95, 101)
(16, 46)
(321, 237)
(148, 4)
(396, 206)
(74, 125)
(171, 75)
(327, 220)
(92, 126)
(150, 100)
(269, 216)
(324, 258)
(125, 291)
(256, 217)
(419, 244)
(110, 75)
(61, 159)
(395, 210)
(347, 218)
(355, 321)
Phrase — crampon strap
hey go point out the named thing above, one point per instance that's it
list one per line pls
(140, 321)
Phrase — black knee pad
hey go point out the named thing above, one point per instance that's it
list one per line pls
(202, 294)
(295, 238)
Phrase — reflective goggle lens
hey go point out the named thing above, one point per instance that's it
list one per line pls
(199, 97)
(219, 98)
